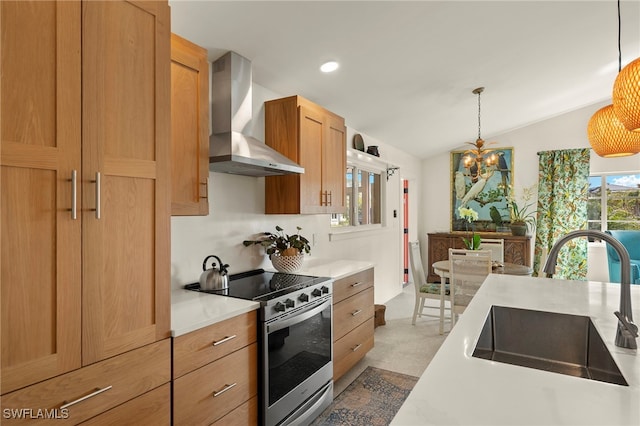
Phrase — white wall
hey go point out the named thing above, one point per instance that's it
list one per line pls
(562, 132)
(236, 205)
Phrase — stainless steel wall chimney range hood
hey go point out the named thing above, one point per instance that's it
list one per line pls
(231, 151)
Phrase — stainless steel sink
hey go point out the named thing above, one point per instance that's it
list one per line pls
(560, 343)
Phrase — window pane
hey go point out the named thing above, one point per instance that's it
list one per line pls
(364, 189)
(623, 202)
(344, 219)
(374, 198)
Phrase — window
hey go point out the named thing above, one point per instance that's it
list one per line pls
(618, 206)
(363, 200)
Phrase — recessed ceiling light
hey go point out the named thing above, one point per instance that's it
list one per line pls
(329, 66)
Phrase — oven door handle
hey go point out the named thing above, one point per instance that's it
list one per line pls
(299, 317)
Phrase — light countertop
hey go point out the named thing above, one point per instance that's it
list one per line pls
(458, 389)
(335, 269)
(191, 310)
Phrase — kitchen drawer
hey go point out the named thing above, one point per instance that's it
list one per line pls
(352, 312)
(246, 414)
(151, 409)
(348, 286)
(194, 394)
(128, 375)
(200, 347)
(352, 348)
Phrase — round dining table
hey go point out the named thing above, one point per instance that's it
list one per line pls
(442, 268)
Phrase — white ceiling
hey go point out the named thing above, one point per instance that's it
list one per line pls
(408, 68)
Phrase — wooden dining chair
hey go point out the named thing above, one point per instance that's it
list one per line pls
(496, 245)
(467, 271)
(423, 289)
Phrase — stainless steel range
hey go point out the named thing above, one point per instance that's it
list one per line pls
(296, 365)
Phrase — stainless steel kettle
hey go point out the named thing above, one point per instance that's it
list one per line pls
(213, 278)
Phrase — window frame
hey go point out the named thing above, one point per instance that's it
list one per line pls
(366, 163)
(604, 213)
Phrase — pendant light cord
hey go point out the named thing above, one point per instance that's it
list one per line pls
(479, 115)
(619, 42)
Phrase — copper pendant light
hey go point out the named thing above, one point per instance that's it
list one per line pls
(626, 96)
(608, 137)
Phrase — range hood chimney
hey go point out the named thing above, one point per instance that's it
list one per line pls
(231, 151)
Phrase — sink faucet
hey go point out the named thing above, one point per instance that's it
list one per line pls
(627, 331)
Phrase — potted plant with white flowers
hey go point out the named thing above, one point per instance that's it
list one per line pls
(285, 251)
(470, 216)
(522, 218)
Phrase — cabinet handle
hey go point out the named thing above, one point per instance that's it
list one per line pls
(226, 339)
(96, 391)
(74, 196)
(223, 390)
(330, 199)
(356, 347)
(97, 195)
(323, 198)
(357, 284)
(206, 189)
(356, 312)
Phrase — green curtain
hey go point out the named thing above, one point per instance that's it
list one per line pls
(563, 184)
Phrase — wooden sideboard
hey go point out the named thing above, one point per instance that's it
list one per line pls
(516, 249)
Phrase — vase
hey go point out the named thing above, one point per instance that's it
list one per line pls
(288, 264)
(519, 229)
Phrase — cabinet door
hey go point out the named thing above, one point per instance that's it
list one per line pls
(126, 188)
(334, 165)
(189, 128)
(40, 148)
(312, 199)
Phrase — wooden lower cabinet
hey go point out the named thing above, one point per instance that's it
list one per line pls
(246, 414)
(516, 249)
(151, 409)
(352, 348)
(115, 383)
(353, 320)
(215, 374)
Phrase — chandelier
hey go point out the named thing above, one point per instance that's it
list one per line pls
(610, 128)
(479, 161)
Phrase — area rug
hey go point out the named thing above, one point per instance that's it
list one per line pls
(372, 399)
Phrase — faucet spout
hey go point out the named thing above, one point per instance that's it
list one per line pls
(627, 331)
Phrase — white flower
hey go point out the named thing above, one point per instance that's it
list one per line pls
(469, 214)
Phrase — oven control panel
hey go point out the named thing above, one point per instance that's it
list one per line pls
(297, 300)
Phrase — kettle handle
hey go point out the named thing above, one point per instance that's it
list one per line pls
(204, 263)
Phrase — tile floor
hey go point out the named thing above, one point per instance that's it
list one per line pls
(400, 346)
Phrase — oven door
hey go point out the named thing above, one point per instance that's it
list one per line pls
(297, 363)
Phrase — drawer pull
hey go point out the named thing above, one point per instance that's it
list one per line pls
(206, 189)
(97, 391)
(98, 184)
(226, 388)
(356, 347)
(226, 339)
(354, 313)
(357, 284)
(74, 195)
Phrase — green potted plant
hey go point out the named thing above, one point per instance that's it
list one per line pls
(285, 251)
(522, 219)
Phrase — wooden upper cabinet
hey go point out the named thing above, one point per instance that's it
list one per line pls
(85, 92)
(126, 144)
(315, 138)
(40, 277)
(189, 128)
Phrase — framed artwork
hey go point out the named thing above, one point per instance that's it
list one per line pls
(486, 191)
